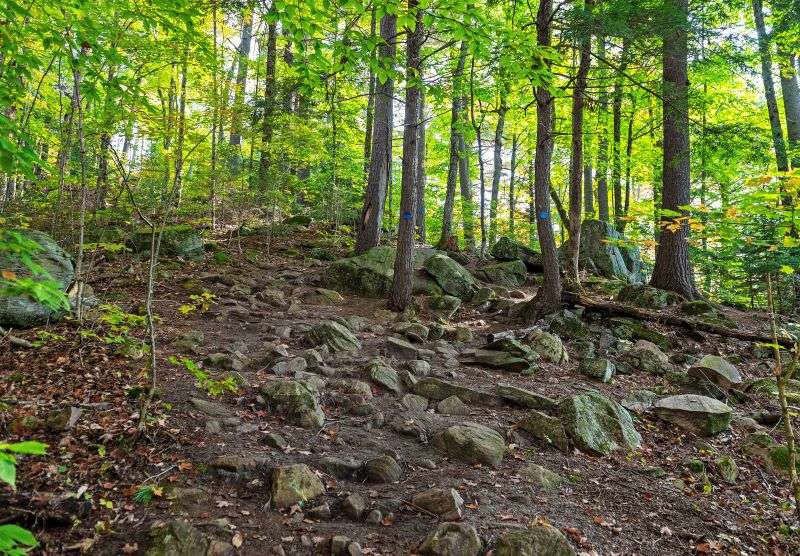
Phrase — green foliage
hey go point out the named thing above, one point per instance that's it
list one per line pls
(14, 540)
(199, 302)
(39, 286)
(212, 387)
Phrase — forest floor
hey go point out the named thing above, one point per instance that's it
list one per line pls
(211, 468)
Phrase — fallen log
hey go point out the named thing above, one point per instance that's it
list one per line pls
(613, 309)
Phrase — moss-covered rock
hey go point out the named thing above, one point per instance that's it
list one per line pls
(180, 538)
(548, 346)
(297, 400)
(453, 278)
(539, 540)
(604, 251)
(699, 414)
(294, 484)
(179, 240)
(508, 273)
(21, 311)
(646, 296)
(452, 539)
(471, 443)
(506, 249)
(598, 425)
(334, 335)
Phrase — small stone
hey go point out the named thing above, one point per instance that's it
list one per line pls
(639, 401)
(339, 545)
(379, 372)
(452, 539)
(445, 503)
(223, 361)
(538, 540)
(414, 403)
(419, 367)
(323, 511)
(290, 366)
(374, 517)
(212, 409)
(354, 506)
(598, 368)
(541, 476)
(334, 335)
(437, 389)
(524, 398)
(727, 469)
(338, 467)
(452, 406)
(275, 440)
(213, 426)
(294, 484)
(548, 346)
(382, 469)
(471, 443)
(401, 349)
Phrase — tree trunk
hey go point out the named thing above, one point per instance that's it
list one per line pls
(769, 88)
(548, 296)
(628, 153)
(512, 199)
(478, 127)
(400, 296)
(602, 139)
(265, 163)
(370, 115)
(791, 106)
(241, 83)
(588, 190)
(616, 155)
(380, 164)
(456, 142)
(498, 168)
(419, 215)
(576, 160)
(673, 270)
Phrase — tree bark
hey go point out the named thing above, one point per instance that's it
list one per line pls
(769, 88)
(419, 215)
(548, 296)
(456, 142)
(602, 139)
(241, 80)
(512, 196)
(791, 106)
(265, 163)
(576, 159)
(673, 270)
(498, 167)
(380, 165)
(400, 295)
(370, 115)
(616, 155)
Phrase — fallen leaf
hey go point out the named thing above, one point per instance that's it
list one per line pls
(237, 540)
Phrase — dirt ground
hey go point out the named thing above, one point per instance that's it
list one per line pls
(82, 496)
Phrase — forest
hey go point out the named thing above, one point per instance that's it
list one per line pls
(426, 277)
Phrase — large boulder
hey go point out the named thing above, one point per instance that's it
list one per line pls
(598, 425)
(717, 370)
(603, 252)
(506, 249)
(699, 414)
(179, 240)
(507, 273)
(298, 401)
(539, 540)
(21, 311)
(471, 443)
(646, 296)
(453, 278)
(371, 273)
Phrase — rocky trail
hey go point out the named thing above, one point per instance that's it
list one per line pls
(355, 430)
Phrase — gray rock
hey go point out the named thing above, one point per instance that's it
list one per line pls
(382, 469)
(506, 249)
(414, 403)
(453, 278)
(716, 370)
(452, 539)
(498, 360)
(471, 443)
(540, 540)
(339, 467)
(379, 372)
(444, 502)
(212, 409)
(335, 336)
(401, 349)
(648, 357)
(602, 253)
(598, 425)
(354, 506)
(181, 538)
(437, 390)
(445, 306)
(298, 401)
(598, 368)
(414, 331)
(524, 398)
(545, 428)
(452, 406)
(548, 346)
(509, 273)
(419, 367)
(541, 476)
(699, 414)
(294, 484)
(639, 401)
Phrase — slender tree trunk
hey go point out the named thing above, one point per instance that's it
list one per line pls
(673, 270)
(512, 198)
(588, 190)
(456, 140)
(769, 88)
(467, 204)
(243, 54)
(602, 138)
(265, 163)
(212, 197)
(616, 155)
(419, 215)
(181, 130)
(498, 168)
(380, 165)
(628, 154)
(370, 115)
(79, 262)
(791, 106)
(548, 297)
(576, 160)
(478, 127)
(400, 295)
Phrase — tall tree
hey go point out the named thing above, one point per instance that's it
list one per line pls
(548, 296)
(243, 59)
(421, 178)
(769, 87)
(791, 105)
(456, 140)
(616, 155)
(602, 136)
(380, 165)
(576, 167)
(267, 123)
(400, 295)
(512, 194)
(497, 159)
(673, 269)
